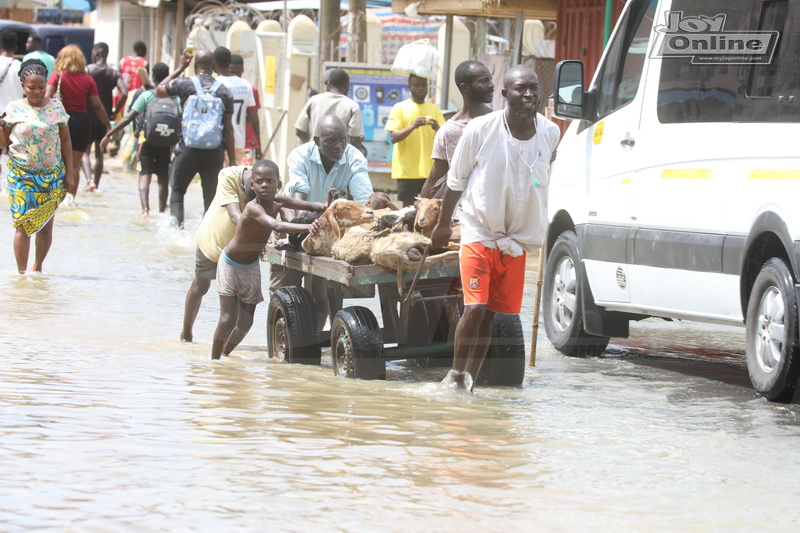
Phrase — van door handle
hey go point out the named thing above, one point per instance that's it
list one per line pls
(628, 142)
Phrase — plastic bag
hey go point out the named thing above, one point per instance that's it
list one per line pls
(418, 58)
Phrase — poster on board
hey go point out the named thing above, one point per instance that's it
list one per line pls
(376, 89)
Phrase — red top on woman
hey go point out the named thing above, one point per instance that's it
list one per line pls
(75, 90)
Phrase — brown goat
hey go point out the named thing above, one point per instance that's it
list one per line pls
(427, 215)
(340, 215)
(380, 200)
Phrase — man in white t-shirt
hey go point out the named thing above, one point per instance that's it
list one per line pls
(501, 167)
(10, 86)
(244, 103)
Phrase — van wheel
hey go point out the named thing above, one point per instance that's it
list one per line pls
(563, 314)
(773, 359)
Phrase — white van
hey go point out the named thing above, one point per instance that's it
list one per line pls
(676, 192)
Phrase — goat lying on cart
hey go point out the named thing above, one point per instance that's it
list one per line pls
(420, 311)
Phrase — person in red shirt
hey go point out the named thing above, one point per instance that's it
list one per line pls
(129, 65)
(75, 88)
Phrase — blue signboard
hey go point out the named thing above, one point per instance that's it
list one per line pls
(376, 89)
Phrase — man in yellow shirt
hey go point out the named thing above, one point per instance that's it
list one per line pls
(412, 125)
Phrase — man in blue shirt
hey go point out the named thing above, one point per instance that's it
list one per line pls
(327, 162)
(314, 167)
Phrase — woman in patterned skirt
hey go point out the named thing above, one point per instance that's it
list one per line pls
(39, 163)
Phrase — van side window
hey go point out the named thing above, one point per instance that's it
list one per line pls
(621, 72)
(691, 91)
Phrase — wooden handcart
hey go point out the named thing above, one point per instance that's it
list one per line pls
(420, 312)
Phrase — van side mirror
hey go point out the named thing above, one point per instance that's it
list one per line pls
(568, 94)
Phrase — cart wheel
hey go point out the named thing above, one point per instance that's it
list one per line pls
(442, 334)
(505, 360)
(356, 345)
(292, 329)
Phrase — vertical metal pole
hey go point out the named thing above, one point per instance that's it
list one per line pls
(448, 50)
(519, 22)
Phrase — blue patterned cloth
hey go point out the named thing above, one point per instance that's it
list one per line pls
(34, 194)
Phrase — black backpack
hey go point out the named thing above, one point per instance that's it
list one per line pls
(138, 123)
(162, 122)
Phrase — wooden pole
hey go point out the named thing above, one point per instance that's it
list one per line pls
(274, 132)
(537, 303)
(329, 30)
(479, 36)
(539, 281)
(180, 33)
(358, 31)
(158, 37)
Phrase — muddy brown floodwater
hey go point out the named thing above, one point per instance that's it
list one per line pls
(109, 423)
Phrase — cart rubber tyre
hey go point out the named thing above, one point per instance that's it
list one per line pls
(505, 360)
(563, 312)
(292, 328)
(357, 344)
(773, 359)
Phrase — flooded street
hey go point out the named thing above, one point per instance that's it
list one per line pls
(109, 423)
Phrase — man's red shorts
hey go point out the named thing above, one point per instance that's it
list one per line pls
(492, 278)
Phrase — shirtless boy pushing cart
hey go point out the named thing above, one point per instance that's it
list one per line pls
(239, 266)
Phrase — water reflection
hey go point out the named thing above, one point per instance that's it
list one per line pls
(108, 423)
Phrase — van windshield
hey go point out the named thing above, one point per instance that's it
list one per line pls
(733, 61)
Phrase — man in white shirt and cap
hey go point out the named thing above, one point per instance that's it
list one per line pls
(501, 167)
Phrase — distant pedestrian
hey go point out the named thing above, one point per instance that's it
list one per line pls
(129, 65)
(40, 163)
(252, 137)
(412, 125)
(10, 88)
(75, 89)
(33, 47)
(191, 161)
(334, 101)
(107, 79)
(153, 159)
(244, 103)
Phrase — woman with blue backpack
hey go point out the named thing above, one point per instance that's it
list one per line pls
(206, 129)
(158, 126)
